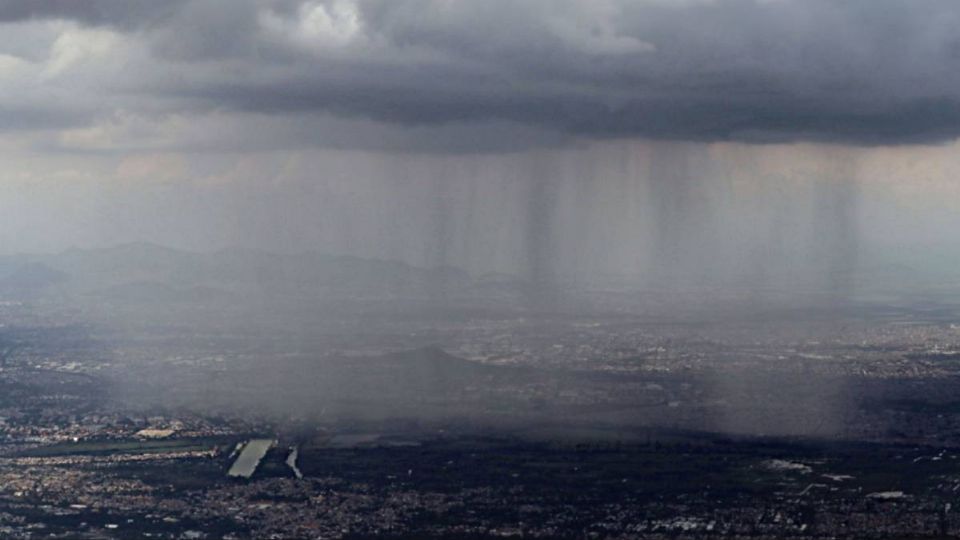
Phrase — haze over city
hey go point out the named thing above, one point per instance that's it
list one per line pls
(479, 268)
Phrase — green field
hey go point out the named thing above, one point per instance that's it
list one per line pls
(113, 447)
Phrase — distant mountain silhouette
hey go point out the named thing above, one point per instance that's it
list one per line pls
(143, 272)
(28, 279)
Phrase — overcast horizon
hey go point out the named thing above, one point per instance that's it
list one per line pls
(770, 137)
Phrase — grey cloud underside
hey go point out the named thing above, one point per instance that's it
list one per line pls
(19, 119)
(860, 71)
(120, 13)
(766, 120)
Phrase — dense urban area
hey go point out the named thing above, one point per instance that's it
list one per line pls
(479, 421)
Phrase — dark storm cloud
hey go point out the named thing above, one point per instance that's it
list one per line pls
(23, 118)
(121, 13)
(857, 71)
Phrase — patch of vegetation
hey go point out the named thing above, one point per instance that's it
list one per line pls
(108, 447)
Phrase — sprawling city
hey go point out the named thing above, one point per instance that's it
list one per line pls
(469, 421)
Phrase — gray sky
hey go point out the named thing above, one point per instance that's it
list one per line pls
(338, 125)
(353, 73)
